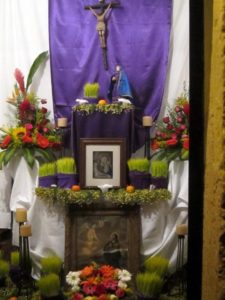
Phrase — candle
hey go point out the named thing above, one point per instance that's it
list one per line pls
(21, 215)
(25, 230)
(182, 229)
(147, 121)
(62, 122)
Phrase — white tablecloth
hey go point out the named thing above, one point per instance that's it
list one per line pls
(158, 221)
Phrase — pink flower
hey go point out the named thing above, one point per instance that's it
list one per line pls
(166, 119)
(120, 293)
(177, 108)
(179, 120)
(89, 289)
(78, 296)
(28, 126)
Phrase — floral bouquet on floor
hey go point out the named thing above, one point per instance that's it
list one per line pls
(33, 135)
(97, 282)
(172, 133)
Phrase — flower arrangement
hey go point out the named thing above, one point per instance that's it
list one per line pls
(172, 133)
(33, 132)
(99, 282)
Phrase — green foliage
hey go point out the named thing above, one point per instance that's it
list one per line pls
(86, 197)
(1, 254)
(47, 169)
(114, 108)
(149, 284)
(15, 258)
(51, 264)
(138, 164)
(37, 62)
(66, 165)
(91, 90)
(157, 264)
(49, 285)
(4, 268)
(159, 168)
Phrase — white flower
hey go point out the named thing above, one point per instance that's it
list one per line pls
(72, 278)
(124, 275)
(75, 288)
(122, 284)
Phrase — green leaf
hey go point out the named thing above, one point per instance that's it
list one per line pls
(37, 62)
(29, 156)
(46, 154)
(2, 154)
(9, 153)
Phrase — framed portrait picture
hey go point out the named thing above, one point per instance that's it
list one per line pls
(102, 161)
(105, 236)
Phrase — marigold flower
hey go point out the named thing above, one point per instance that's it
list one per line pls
(87, 271)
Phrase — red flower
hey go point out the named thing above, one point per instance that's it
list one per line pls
(186, 143)
(186, 109)
(5, 142)
(20, 79)
(44, 110)
(100, 289)
(25, 105)
(27, 139)
(154, 145)
(179, 120)
(110, 284)
(120, 293)
(172, 142)
(42, 141)
(102, 297)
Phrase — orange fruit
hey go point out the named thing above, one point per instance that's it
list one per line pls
(75, 188)
(130, 188)
(102, 102)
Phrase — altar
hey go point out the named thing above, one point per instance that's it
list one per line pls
(158, 220)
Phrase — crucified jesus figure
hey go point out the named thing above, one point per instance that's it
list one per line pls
(101, 24)
(100, 11)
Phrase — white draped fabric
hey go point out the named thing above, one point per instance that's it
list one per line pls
(23, 35)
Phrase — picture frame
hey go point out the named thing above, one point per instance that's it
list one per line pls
(102, 161)
(104, 235)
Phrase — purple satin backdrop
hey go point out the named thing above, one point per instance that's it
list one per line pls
(138, 40)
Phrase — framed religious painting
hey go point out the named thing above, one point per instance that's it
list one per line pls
(104, 235)
(102, 161)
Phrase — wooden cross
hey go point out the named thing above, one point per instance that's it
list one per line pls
(100, 11)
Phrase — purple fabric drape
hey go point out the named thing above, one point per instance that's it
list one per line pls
(137, 40)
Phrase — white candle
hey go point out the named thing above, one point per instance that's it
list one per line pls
(21, 215)
(147, 121)
(181, 229)
(62, 122)
(25, 230)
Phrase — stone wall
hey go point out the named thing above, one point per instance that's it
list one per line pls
(213, 276)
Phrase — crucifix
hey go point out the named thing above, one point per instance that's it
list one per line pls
(100, 11)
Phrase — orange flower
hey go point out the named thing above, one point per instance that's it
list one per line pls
(87, 271)
(186, 143)
(107, 271)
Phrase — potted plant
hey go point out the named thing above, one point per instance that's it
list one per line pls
(14, 272)
(139, 175)
(157, 264)
(149, 285)
(49, 287)
(159, 173)
(4, 271)
(66, 172)
(91, 91)
(47, 174)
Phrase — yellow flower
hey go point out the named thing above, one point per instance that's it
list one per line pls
(18, 133)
